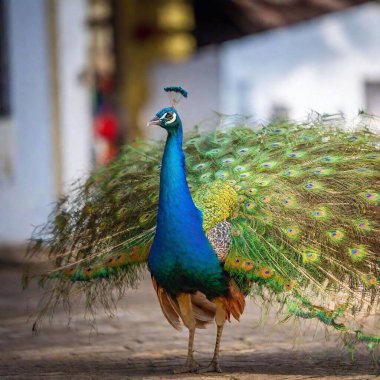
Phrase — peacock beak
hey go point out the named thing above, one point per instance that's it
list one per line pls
(154, 122)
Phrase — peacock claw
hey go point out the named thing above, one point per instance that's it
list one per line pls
(212, 367)
(189, 367)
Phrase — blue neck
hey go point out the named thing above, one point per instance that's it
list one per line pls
(181, 258)
(175, 204)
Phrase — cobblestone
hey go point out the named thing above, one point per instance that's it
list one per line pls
(139, 344)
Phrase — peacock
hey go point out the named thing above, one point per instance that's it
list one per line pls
(286, 212)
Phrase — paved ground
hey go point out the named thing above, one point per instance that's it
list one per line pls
(139, 344)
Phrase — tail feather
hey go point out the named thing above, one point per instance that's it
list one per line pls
(305, 231)
(306, 223)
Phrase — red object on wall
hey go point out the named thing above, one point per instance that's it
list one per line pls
(106, 126)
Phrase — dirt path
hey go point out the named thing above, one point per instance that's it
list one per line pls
(139, 344)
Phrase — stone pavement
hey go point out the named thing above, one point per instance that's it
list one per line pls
(139, 344)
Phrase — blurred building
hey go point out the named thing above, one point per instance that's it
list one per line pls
(45, 130)
(292, 64)
(80, 77)
(330, 64)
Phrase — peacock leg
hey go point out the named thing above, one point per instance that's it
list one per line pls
(220, 318)
(187, 316)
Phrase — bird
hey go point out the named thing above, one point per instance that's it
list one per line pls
(285, 211)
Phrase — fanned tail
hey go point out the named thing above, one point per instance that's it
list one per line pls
(305, 232)
(96, 241)
(306, 229)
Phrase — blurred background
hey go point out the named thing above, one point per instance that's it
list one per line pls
(78, 78)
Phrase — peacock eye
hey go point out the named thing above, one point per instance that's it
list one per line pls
(170, 117)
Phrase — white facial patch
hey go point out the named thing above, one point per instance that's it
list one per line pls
(172, 120)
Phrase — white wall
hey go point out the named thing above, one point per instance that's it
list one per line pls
(318, 65)
(75, 106)
(26, 196)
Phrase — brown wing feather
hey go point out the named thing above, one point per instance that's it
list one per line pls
(234, 302)
(167, 308)
(204, 310)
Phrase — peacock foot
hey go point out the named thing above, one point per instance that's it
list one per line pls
(190, 366)
(212, 367)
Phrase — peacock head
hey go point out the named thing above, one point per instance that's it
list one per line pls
(167, 118)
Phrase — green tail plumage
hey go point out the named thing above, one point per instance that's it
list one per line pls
(306, 228)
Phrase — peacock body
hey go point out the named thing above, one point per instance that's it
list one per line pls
(286, 211)
(181, 258)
